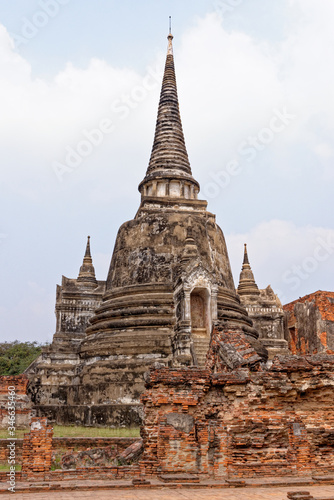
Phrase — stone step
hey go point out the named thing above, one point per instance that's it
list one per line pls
(201, 347)
(179, 478)
(299, 495)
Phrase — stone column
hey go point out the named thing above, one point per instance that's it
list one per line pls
(214, 307)
(186, 305)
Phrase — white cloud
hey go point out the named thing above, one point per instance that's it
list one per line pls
(229, 82)
(236, 81)
(45, 117)
(324, 150)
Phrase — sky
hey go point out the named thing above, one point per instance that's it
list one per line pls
(79, 90)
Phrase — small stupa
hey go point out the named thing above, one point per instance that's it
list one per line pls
(265, 310)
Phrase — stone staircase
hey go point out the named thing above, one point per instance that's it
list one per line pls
(201, 346)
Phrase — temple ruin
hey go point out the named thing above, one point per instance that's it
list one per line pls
(169, 287)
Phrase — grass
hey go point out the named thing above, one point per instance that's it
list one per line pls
(56, 461)
(19, 434)
(80, 431)
(5, 467)
(71, 431)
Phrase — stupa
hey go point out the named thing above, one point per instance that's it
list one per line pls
(169, 283)
(265, 309)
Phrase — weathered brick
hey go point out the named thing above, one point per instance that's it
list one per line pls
(22, 402)
(277, 420)
(310, 323)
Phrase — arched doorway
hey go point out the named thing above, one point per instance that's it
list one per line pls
(200, 312)
(200, 324)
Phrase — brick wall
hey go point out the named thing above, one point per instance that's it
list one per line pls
(83, 443)
(37, 456)
(230, 348)
(310, 324)
(22, 402)
(69, 444)
(277, 421)
(37, 447)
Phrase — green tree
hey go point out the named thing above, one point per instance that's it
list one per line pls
(16, 356)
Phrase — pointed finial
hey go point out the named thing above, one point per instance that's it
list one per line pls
(170, 38)
(87, 253)
(87, 272)
(247, 285)
(246, 261)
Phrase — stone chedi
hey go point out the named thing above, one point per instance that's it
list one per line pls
(53, 375)
(265, 310)
(168, 284)
(76, 301)
(169, 278)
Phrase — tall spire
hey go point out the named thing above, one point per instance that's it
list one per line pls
(87, 272)
(247, 285)
(169, 158)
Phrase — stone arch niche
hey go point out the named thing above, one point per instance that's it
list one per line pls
(200, 312)
(195, 297)
(201, 323)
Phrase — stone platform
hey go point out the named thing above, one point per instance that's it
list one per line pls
(273, 488)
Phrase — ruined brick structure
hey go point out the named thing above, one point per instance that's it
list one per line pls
(240, 417)
(169, 283)
(310, 323)
(23, 405)
(37, 448)
(265, 310)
